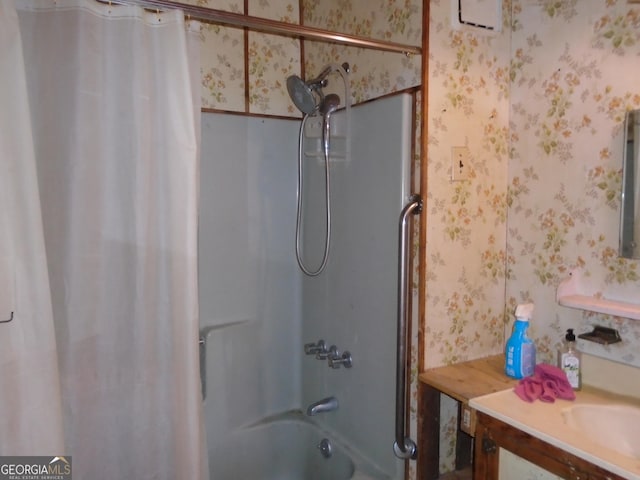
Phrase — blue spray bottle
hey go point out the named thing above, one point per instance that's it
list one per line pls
(520, 352)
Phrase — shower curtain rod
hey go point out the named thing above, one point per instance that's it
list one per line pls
(266, 25)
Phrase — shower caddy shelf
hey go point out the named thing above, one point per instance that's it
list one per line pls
(340, 145)
(573, 294)
(335, 156)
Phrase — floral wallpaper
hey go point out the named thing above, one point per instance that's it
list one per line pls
(246, 71)
(222, 60)
(373, 73)
(540, 106)
(255, 82)
(573, 76)
(223, 79)
(466, 219)
(271, 60)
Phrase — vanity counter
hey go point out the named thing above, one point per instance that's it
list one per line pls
(545, 421)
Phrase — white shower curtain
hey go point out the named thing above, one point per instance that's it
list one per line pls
(31, 421)
(115, 140)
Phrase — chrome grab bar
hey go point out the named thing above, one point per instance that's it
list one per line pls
(403, 447)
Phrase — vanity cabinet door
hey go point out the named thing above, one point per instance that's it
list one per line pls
(492, 435)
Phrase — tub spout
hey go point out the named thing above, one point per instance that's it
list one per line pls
(325, 405)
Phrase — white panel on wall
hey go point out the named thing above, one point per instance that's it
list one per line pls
(248, 275)
(353, 303)
(227, 269)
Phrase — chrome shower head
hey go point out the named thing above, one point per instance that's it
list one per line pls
(308, 96)
(302, 94)
(329, 104)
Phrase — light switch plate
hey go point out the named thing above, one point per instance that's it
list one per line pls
(460, 163)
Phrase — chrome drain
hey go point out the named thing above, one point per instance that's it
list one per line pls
(325, 448)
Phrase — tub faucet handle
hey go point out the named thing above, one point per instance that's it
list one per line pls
(315, 348)
(344, 359)
(332, 352)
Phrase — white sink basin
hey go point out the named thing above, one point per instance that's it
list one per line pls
(616, 427)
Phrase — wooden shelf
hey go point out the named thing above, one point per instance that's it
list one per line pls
(467, 380)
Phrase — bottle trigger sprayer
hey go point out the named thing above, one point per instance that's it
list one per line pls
(520, 351)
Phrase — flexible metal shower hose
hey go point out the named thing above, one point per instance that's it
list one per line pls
(300, 215)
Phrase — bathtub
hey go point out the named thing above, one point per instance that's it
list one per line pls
(285, 447)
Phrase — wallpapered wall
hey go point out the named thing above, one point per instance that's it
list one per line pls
(574, 68)
(466, 220)
(256, 84)
(541, 107)
(373, 73)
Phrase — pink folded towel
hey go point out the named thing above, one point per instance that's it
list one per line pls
(546, 384)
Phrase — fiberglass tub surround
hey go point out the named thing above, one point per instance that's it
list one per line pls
(289, 447)
(261, 312)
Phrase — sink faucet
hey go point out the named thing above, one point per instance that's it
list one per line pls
(325, 405)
